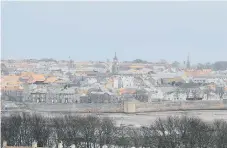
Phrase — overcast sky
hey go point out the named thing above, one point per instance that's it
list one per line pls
(95, 30)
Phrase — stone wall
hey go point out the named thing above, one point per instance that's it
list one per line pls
(118, 107)
(181, 105)
(81, 107)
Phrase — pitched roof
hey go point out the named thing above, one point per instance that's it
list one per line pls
(127, 90)
(27, 74)
(38, 77)
(167, 89)
(60, 81)
(194, 73)
(51, 79)
(10, 78)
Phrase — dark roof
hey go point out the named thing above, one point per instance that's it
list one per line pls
(141, 91)
(190, 85)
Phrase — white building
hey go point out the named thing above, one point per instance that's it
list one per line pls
(116, 82)
(127, 81)
(217, 79)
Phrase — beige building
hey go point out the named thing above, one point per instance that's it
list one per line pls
(129, 106)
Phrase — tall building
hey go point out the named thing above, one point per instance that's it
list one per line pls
(115, 59)
(188, 62)
(115, 66)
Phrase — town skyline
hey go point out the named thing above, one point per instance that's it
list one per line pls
(114, 74)
(85, 31)
(182, 63)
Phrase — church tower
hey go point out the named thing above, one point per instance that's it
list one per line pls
(115, 66)
(115, 59)
(188, 62)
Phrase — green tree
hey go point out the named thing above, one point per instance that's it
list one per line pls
(139, 61)
(175, 64)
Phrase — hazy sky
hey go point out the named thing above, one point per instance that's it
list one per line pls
(95, 30)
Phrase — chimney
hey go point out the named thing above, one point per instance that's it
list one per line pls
(4, 144)
(60, 145)
(34, 144)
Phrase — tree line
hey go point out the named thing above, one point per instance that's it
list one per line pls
(95, 132)
(218, 66)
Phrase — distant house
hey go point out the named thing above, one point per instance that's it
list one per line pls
(85, 99)
(123, 91)
(210, 79)
(175, 95)
(98, 97)
(57, 72)
(54, 95)
(37, 79)
(51, 80)
(12, 88)
(193, 91)
(141, 95)
(4, 70)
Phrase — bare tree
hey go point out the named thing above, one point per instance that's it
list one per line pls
(187, 92)
(194, 133)
(106, 132)
(195, 94)
(172, 132)
(40, 129)
(61, 128)
(165, 133)
(220, 133)
(10, 130)
(25, 130)
(148, 137)
(89, 130)
(177, 93)
(121, 137)
(220, 91)
(74, 130)
(136, 137)
(207, 92)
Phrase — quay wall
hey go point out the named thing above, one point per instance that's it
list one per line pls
(118, 107)
(181, 105)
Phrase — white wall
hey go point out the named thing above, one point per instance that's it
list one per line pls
(127, 81)
(115, 82)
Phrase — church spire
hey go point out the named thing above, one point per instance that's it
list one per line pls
(115, 64)
(188, 62)
(115, 57)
